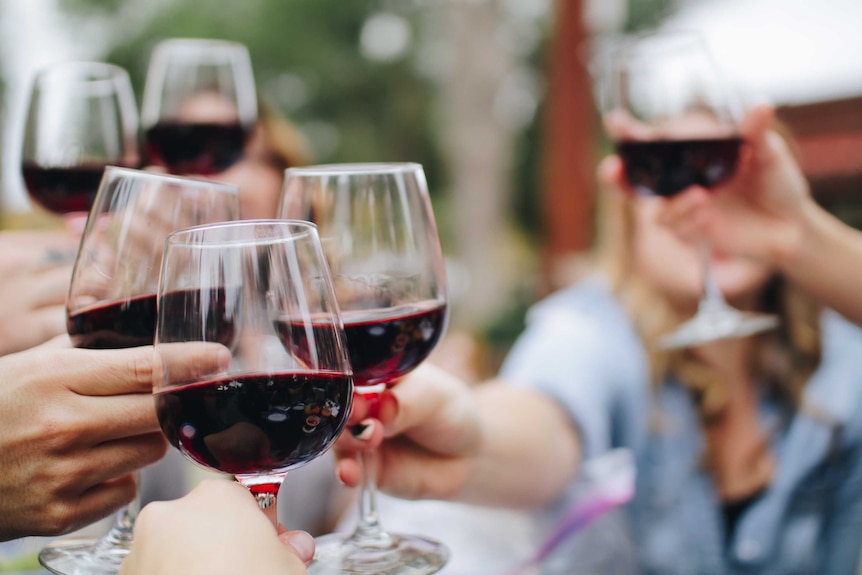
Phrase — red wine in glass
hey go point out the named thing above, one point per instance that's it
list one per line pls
(263, 412)
(377, 225)
(112, 301)
(195, 148)
(200, 105)
(667, 167)
(81, 117)
(255, 423)
(131, 322)
(63, 190)
(676, 121)
(128, 322)
(383, 344)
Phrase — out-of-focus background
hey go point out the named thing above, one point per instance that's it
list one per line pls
(496, 98)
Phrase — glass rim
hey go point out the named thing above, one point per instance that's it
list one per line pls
(185, 237)
(180, 180)
(101, 71)
(660, 40)
(356, 168)
(199, 43)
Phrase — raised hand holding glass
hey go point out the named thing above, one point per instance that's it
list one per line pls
(283, 396)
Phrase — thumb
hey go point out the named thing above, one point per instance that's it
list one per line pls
(299, 542)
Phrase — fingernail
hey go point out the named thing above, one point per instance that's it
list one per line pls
(304, 545)
(363, 430)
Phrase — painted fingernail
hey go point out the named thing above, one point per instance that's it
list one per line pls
(363, 430)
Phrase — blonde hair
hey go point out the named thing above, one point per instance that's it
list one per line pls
(284, 145)
(784, 359)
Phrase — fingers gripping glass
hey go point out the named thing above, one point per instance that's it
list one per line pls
(380, 238)
(675, 123)
(258, 295)
(112, 300)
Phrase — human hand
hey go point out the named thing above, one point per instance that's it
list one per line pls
(35, 267)
(217, 528)
(431, 429)
(74, 425)
(760, 213)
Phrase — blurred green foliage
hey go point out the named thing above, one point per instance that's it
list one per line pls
(308, 65)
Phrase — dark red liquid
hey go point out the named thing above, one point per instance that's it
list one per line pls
(195, 148)
(117, 324)
(665, 168)
(63, 190)
(384, 344)
(256, 423)
(132, 322)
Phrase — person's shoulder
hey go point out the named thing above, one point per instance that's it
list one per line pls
(583, 327)
(839, 335)
(588, 300)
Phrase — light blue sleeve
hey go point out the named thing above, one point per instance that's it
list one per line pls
(842, 348)
(581, 349)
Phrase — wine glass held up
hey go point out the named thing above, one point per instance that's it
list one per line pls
(380, 239)
(81, 117)
(675, 123)
(282, 396)
(112, 300)
(199, 106)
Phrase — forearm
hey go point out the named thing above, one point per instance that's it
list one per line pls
(529, 450)
(824, 258)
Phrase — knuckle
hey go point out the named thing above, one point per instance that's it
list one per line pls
(56, 427)
(58, 517)
(141, 367)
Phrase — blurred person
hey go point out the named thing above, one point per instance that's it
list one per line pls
(749, 451)
(273, 144)
(35, 269)
(74, 424)
(780, 225)
(216, 529)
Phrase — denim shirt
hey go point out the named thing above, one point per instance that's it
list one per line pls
(581, 348)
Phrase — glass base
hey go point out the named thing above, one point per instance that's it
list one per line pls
(401, 555)
(85, 556)
(713, 325)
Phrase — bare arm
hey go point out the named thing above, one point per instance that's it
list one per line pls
(491, 444)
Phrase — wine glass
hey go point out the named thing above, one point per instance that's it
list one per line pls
(199, 105)
(261, 289)
(380, 238)
(112, 300)
(81, 117)
(675, 123)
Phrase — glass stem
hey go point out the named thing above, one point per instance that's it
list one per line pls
(120, 534)
(265, 490)
(268, 503)
(712, 300)
(368, 532)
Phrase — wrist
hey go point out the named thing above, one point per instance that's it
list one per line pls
(797, 239)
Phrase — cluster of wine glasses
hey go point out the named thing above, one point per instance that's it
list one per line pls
(345, 293)
(198, 110)
(348, 287)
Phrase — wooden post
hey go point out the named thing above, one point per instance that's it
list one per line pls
(569, 182)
